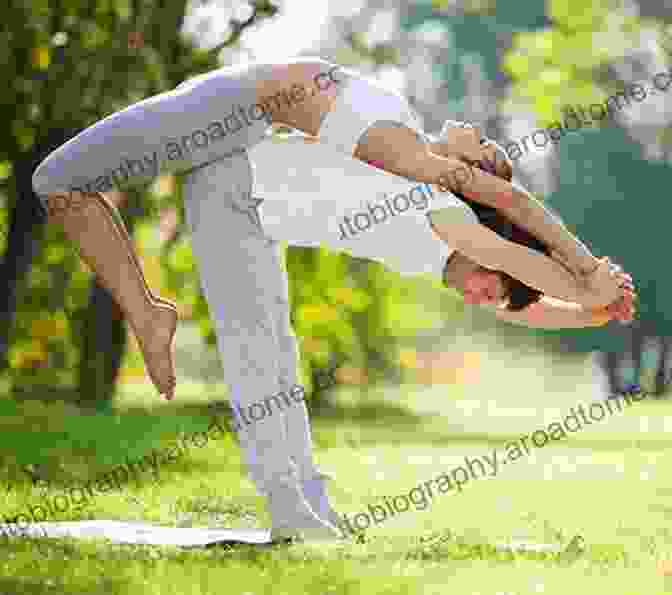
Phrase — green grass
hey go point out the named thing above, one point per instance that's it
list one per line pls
(603, 496)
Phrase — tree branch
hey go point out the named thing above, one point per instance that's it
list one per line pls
(262, 9)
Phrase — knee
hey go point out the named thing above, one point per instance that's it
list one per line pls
(43, 179)
(57, 203)
(51, 192)
(40, 181)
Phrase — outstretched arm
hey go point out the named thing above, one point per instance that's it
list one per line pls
(549, 313)
(490, 250)
(400, 150)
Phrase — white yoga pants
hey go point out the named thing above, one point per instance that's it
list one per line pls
(246, 287)
(201, 120)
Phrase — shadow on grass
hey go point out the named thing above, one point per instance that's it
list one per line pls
(87, 447)
(48, 446)
(83, 447)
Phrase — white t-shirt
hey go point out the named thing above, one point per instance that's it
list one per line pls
(314, 195)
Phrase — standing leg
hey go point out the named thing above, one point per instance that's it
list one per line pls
(296, 416)
(236, 264)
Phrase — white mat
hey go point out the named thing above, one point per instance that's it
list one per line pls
(138, 532)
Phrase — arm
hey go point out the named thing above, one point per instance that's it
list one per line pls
(529, 266)
(550, 313)
(400, 150)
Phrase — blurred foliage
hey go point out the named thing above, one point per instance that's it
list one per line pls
(69, 64)
(566, 62)
(72, 62)
(344, 311)
(479, 7)
(603, 171)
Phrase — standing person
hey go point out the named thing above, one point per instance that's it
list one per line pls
(187, 131)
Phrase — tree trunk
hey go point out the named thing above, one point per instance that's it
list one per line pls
(103, 347)
(611, 361)
(662, 379)
(638, 344)
(26, 231)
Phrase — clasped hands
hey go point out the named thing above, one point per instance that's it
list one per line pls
(610, 279)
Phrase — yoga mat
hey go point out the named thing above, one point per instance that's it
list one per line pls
(138, 532)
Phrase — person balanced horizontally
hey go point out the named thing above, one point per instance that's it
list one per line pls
(370, 148)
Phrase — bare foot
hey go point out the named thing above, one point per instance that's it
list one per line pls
(156, 342)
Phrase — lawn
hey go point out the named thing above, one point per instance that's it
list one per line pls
(602, 496)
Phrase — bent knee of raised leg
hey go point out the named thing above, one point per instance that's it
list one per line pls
(58, 203)
(55, 175)
(44, 180)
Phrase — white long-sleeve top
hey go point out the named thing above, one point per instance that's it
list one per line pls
(313, 194)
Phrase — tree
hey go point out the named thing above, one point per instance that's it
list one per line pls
(70, 64)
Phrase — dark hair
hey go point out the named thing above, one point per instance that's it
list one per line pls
(520, 296)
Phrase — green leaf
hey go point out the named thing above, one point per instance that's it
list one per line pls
(123, 9)
(5, 170)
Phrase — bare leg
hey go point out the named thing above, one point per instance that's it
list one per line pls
(123, 232)
(94, 225)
